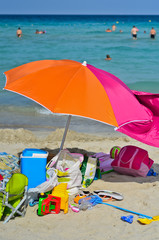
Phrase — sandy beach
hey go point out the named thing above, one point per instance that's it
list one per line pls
(101, 222)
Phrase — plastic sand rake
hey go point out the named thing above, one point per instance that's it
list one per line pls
(143, 219)
(126, 210)
(94, 199)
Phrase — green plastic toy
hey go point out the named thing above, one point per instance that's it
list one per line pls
(48, 204)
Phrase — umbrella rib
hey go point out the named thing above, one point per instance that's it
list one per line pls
(28, 98)
(116, 128)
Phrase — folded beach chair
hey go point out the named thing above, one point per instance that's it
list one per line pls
(13, 197)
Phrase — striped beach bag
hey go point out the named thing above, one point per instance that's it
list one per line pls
(132, 160)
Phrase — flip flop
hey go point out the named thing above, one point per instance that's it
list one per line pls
(84, 193)
(115, 195)
(106, 198)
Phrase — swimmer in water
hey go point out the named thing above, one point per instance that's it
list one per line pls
(152, 33)
(39, 32)
(19, 32)
(108, 57)
(134, 31)
(108, 30)
(113, 27)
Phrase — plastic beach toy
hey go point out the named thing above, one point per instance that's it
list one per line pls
(85, 204)
(89, 202)
(146, 221)
(48, 204)
(1, 177)
(152, 173)
(114, 151)
(78, 197)
(61, 191)
(33, 202)
(95, 199)
(128, 219)
(74, 208)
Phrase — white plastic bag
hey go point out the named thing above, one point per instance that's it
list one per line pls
(45, 186)
(67, 168)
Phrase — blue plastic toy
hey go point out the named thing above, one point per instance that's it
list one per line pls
(126, 210)
(32, 202)
(128, 219)
(94, 199)
(152, 173)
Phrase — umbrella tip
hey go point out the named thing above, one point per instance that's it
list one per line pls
(84, 63)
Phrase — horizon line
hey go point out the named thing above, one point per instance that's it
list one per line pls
(86, 14)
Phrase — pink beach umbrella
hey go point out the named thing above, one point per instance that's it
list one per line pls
(146, 131)
(72, 88)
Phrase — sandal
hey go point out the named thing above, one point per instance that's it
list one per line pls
(107, 193)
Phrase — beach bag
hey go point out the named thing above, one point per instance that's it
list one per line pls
(88, 170)
(67, 166)
(104, 162)
(132, 160)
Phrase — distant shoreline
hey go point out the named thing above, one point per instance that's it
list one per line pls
(62, 14)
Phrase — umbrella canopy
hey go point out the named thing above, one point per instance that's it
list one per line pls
(146, 132)
(69, 87)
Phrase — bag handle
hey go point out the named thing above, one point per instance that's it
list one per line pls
(52, 161)
(130, 161)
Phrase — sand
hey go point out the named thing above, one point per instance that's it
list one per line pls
(101, 222)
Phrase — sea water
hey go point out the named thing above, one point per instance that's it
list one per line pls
(80, 38)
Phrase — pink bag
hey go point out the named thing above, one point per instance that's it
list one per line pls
(132, 160)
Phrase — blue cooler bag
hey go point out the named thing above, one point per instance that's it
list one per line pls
(33, 165)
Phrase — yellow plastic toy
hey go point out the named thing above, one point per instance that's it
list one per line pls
(61, 191)
(148, 221)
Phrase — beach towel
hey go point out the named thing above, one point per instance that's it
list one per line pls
(88, 170)
(8, 164)
(105, 161)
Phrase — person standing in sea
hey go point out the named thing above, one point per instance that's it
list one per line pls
(152, 33)
(134, 31)
(19, 32)
(113, 27)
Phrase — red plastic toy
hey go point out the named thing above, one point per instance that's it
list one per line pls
(51, 204)
(1, 177)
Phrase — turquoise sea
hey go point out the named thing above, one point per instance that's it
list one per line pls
(80, 38)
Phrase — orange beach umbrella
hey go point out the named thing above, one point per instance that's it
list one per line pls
(73, 88)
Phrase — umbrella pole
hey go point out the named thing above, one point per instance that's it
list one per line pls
(65, 132)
